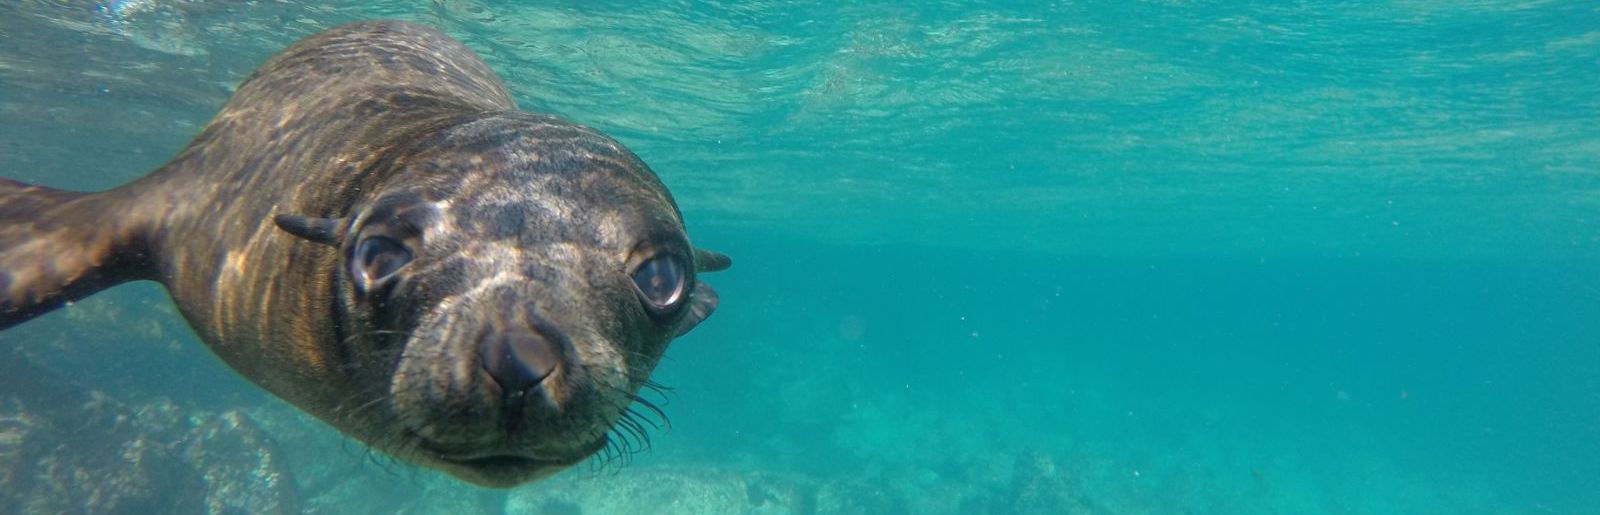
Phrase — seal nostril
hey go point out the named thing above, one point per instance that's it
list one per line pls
(518, 361)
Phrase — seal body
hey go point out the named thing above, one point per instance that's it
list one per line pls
(371, 230)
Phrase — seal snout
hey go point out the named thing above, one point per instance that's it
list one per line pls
(519, 361)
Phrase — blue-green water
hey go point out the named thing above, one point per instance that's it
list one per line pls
(1209, 257)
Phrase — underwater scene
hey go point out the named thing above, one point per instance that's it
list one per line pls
(1086, 257)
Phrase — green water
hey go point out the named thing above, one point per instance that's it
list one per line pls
(1203, 257)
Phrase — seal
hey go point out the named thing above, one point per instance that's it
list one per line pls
(371, 230)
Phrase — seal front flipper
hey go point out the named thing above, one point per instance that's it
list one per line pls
(704, 299)
(58, 246)
(701, 305)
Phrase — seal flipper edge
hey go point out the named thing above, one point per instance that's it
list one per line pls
(58, 246)
(705, 298)
(701, 305)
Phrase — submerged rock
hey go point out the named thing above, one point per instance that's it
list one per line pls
(68, 449)
(701, 491)
(1039, 486)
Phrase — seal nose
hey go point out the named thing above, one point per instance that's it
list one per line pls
(518, 361)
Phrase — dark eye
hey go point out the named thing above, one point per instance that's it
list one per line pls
(377, 258)
(660, 281)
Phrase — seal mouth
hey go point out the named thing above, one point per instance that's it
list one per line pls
(503, 470)
(508, 462)
(513, 462)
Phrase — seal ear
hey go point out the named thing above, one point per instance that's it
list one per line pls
(709, 261)
(320, 230)
(700, 307)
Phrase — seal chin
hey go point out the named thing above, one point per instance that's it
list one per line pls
(503, 470)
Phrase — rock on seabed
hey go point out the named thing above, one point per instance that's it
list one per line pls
(65, 448)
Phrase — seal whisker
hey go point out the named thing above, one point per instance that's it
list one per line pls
(598, 461)
(616, 454)
(628, 427)
(398, 441)
(632, 398)
(667, 424)
(661, 390)
(375, 332)
(659, 414)
(377, 450)
(376, 399)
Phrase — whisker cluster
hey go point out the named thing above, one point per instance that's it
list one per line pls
(630, 434)
(638, 411)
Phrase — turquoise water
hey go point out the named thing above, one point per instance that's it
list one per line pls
(1090, 257)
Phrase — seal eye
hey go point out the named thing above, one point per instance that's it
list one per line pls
(377, 258)
(660, 281)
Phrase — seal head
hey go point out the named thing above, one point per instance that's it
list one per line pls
(508, 297)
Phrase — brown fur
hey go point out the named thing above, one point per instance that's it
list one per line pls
(515, 220)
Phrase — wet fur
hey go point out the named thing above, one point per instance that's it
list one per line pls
(516, 218)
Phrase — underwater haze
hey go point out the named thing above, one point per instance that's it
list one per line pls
(1096, 257)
